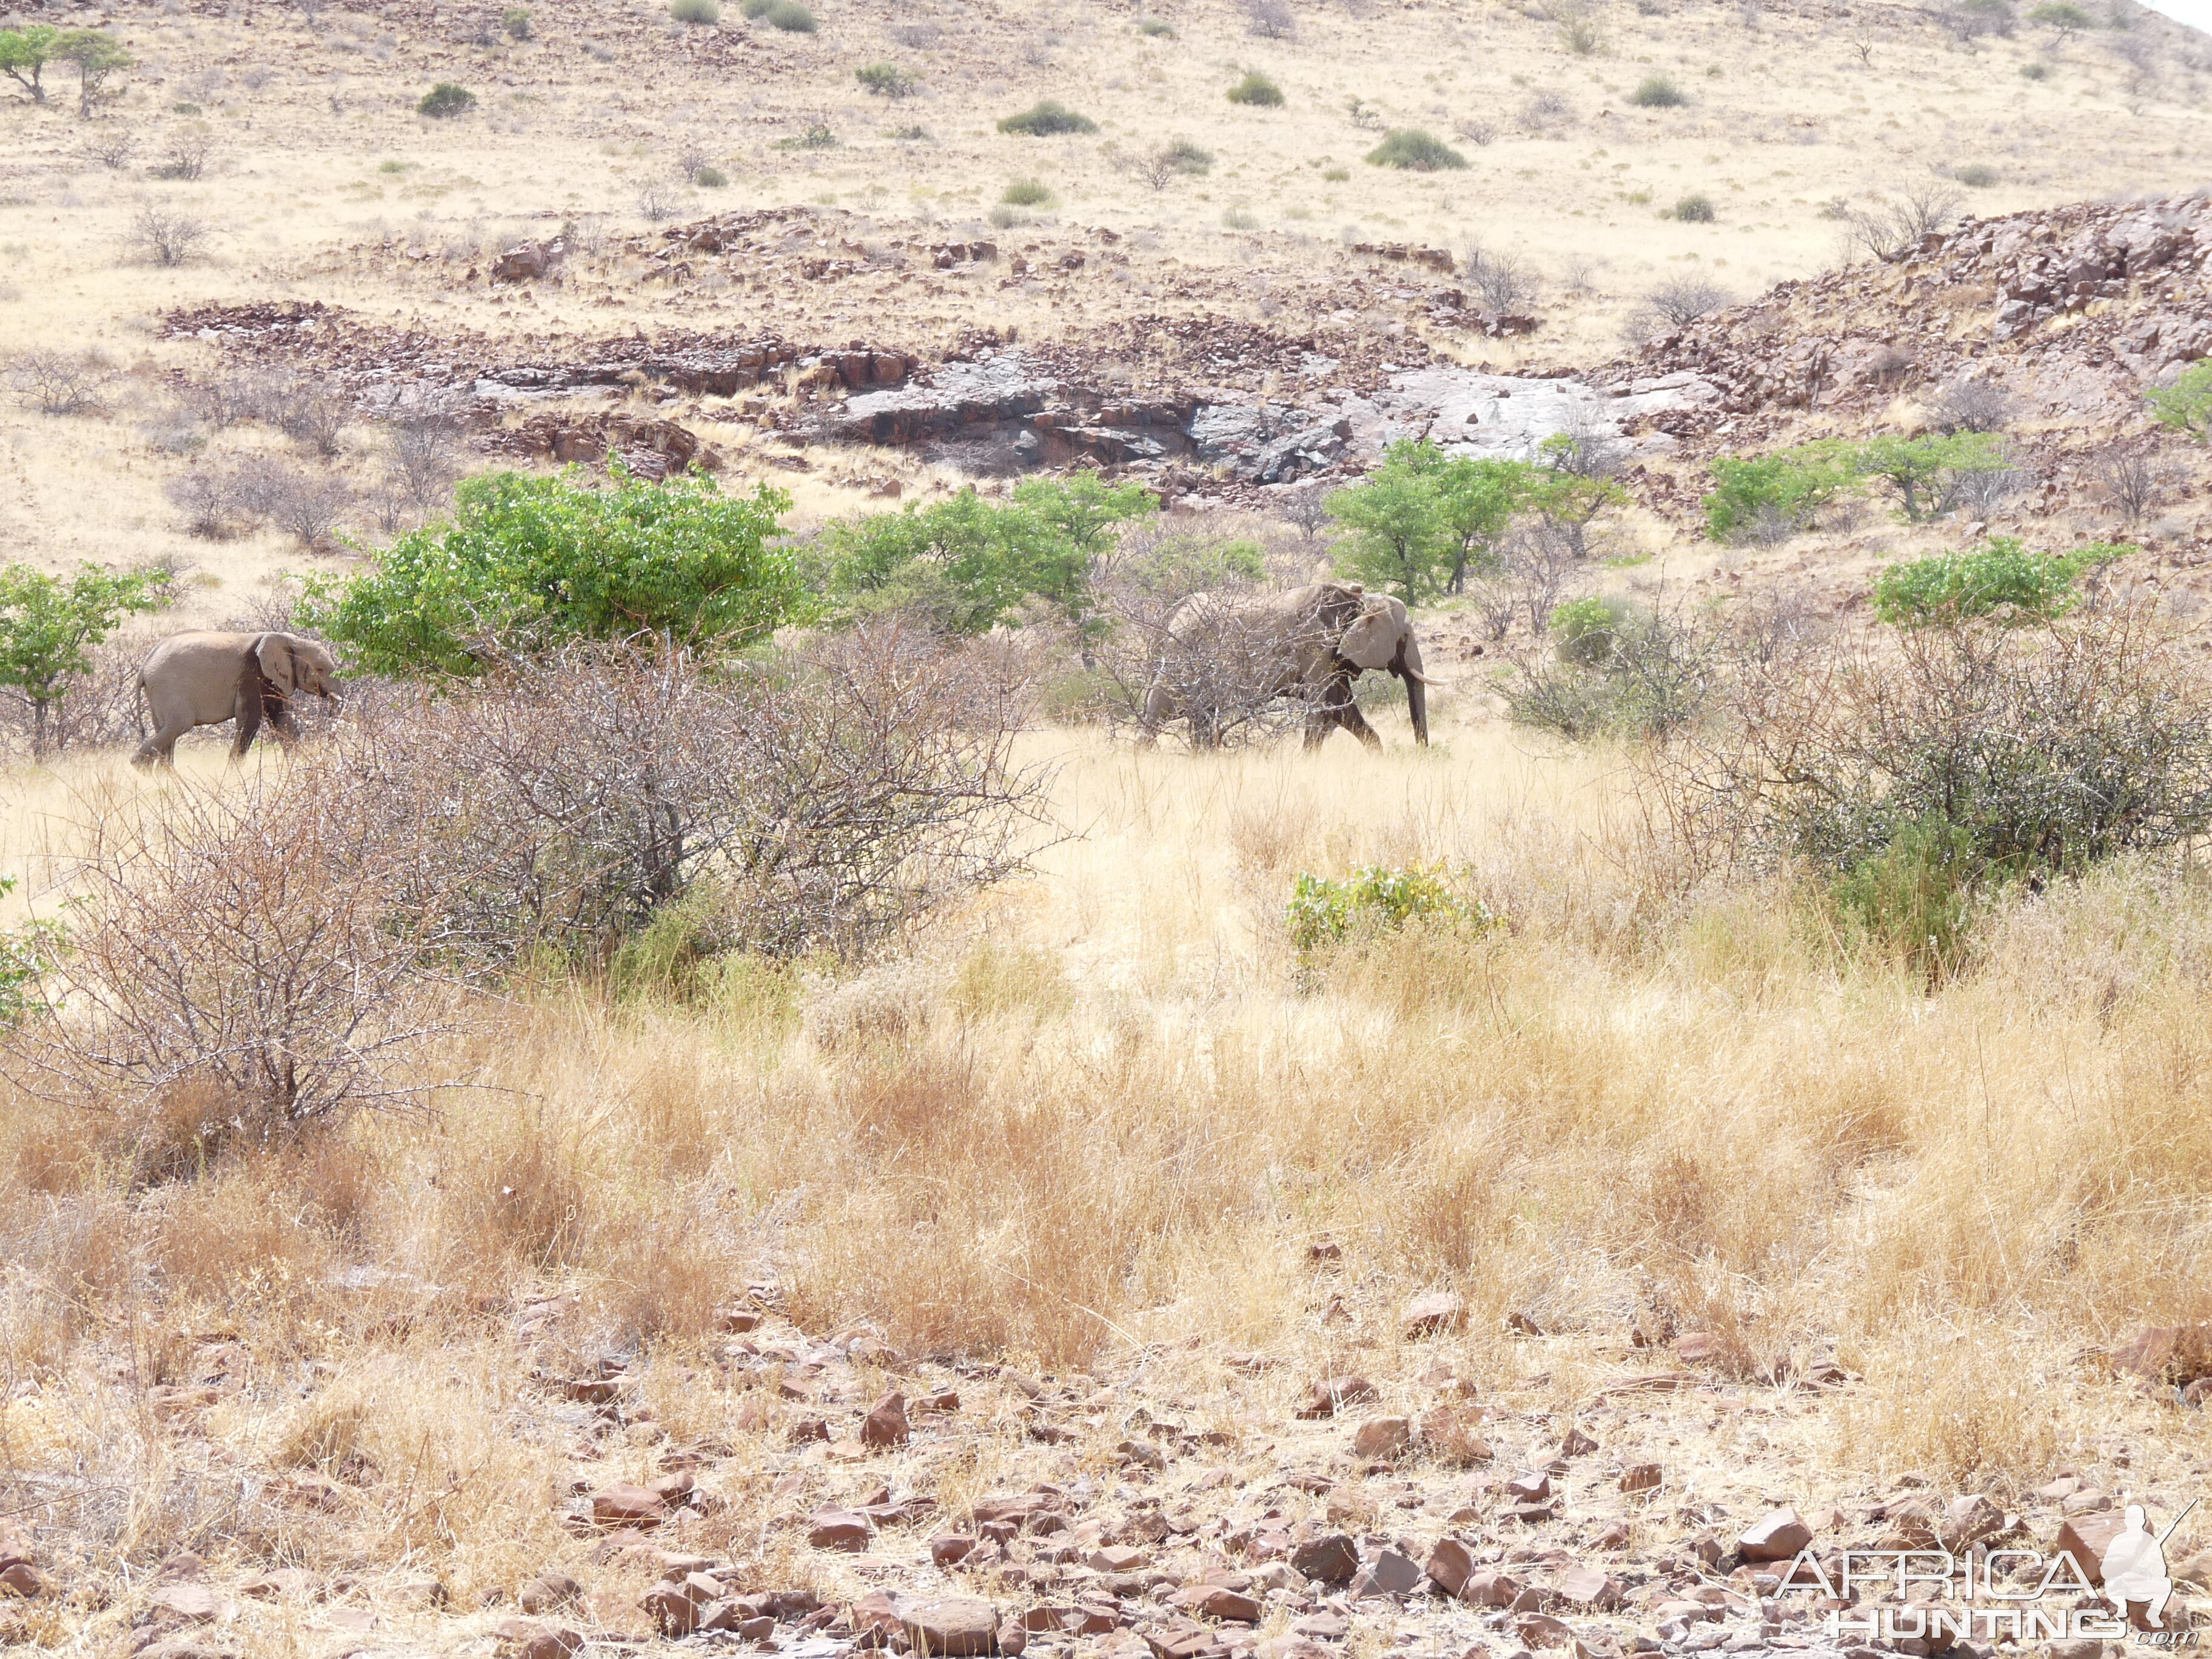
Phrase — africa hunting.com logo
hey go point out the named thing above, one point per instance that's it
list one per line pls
(1999, 1594)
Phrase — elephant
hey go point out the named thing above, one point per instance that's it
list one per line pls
(206, 679)
(1225, 657)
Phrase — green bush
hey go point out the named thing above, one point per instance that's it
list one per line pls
(515, 22)
(816, 137)
(1255, 88)
(28, 955)
(445, 100)
(1927, 473)
(48, 628)
(1184, 156)
(1026, 192)
(1046, 118)
(1421, 522)
(1156, 27)
(1767, 496)
(1915, 897)
(1375, 899)
(2035, 71)
(755, 9)
(710, 178)
(2061, 17)
(887, 80)
(1588, 629)
(2000, 580)
(526, 563)
(1696, 208)
(791, 17)
(1617, 671)
(1657, 91)
(701, 11)
(2186, 406)
(1977, 175)
(1415, 151)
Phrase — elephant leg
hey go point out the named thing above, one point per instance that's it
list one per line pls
(252, 695)
(1353, 721)
(276, 709)
(1159, 709)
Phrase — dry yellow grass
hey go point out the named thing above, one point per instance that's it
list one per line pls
(1091, 1126)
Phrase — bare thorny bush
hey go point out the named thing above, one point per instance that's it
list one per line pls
(1220, 665)
(2036, 752)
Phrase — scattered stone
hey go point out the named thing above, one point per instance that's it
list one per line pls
(956, 1626)
(550, 1588)
(1966, 1521)
(1389, 1574)
(626, 1504)
(1641, 1477)
(1591, 1586)
(1451, 1564)
(1382, 1436)
(1775, 1537)
(528, 1639)
(2176, 1354)
(1218, 1601)
(1541, 1630)
(1433, 1314)
(832, 1529)
(1117, 1557)
(1577, 1443)
(1489, 1588)
(190, 1601)
(1332, 1559)
(885, 1425)
(1531, 1487)
(2086, 1538)
(952, 1548)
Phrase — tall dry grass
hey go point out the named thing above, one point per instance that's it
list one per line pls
(1109, 1107)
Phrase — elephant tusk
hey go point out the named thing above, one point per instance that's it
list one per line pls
(1416, 674)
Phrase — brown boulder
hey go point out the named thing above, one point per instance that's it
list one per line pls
(625, 1504)
(1332, 1559)
(1218, 1601)
(1641, 1477)
(527, 1638)
(1541, 1630)
(550, 1588)
(1433, 1314)
(956, 1627)
(2086, 1537)
(1451, 1564)
(950, 1549)
(1591, 1586)
(21, 1578)
(1532, 1487)
(832, 1529)
(885, 1425)
(1382, 1436)
(1968, 1520)
(1491, 1589)
(1777, 1536)
(1389, 1574)
(2168, 1353)
(190, 1601)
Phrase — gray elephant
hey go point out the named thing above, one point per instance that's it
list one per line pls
(1225, 659)
(206, 679)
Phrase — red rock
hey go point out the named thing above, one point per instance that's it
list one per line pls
(944, 1400)
(1218, 1601)
(1641, 1477)
(21, 1578)
(623, 1504)
(1591, 1586)
(2086, 1538)
(1968, 1520)
(1577, 1443)
(1614, 1537)
(1775, 1537)
(1116, 1558)
(956, 1627)
(1488, 1588)
(1389, 1574)
(1332, 1559)
(1541, 1630)
(1532, 1487)
(885, 1425)
(191, 1601)
(1451, 1564)
(952, 1548)
(678, 1606)
(878, 1613)
(1382, 1436)
(550, 1588)
(526, 1638)
(2168, 1353)
(832, 1529)
(1433, 1314)
(1332, 1394)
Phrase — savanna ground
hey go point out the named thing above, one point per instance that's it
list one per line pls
(1092, 1125)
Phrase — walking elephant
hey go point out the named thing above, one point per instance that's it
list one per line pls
(206, 679)
(1226, 658)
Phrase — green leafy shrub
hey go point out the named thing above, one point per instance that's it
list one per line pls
(1257, 89)
(445, 100)
(816, 137)
(1587, 630)
(514, 22)
(887, 80)
(791, 17)
(2061, 17)
(527, 563)
(1046, 118)
(1977, 175)
(1184, 156)
(2000, 580)
(27, 954)
(1336, 175)
(1695, 209)
(701, 11)
(49, 626)
(2035, 71)
(2185, 405)
(1617, 671)
(1764, 497)
(710, 177)
(1414, 151)
(1915, 897)
(1927, 473)
(1156, 28)
(1375, 898)
(1026, 192)
(1657, 91)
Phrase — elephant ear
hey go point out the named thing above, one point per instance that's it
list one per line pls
(274, 652)
(1371, 641)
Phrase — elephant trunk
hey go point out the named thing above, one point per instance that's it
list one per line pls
(1417, 689)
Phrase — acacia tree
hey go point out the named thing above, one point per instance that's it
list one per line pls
(1397, 539)
(24, 54)
(47, 627)
(96, 57)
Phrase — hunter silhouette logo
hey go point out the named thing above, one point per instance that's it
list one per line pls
(2134, 1567)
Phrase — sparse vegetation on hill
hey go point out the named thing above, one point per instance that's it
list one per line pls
(1048, 117)
(1415, 151)
(445, 100)
(1256, 89)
